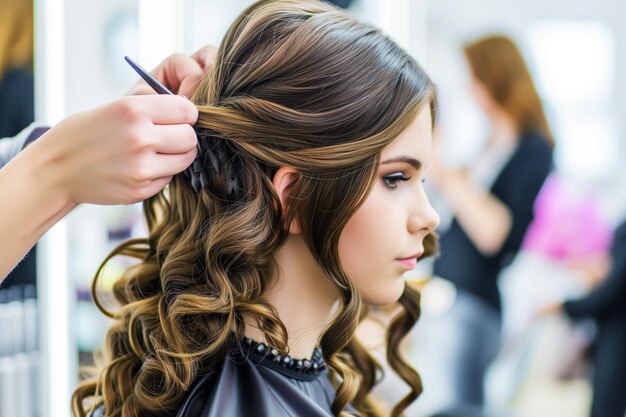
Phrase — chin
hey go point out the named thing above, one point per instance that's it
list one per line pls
(386, 295)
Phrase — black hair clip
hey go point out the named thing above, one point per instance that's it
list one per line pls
(217, 166)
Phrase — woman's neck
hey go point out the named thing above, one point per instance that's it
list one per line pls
(305, 299)
(504, 130)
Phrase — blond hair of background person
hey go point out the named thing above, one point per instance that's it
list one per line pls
(16, 34)
(16, 66)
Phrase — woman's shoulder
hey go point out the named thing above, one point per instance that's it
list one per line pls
(532, 155)
(248, 383)
(243, 386)
(534, 143)
(248, 388)
(620, 233)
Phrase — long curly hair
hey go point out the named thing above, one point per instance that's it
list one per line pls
(295, 84)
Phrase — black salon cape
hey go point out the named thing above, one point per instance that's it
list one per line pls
(246, 387)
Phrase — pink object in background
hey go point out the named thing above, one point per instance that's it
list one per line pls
(568, 224)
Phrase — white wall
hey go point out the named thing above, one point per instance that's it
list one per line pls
(97, 38)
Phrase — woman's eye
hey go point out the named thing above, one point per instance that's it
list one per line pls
(392, 180)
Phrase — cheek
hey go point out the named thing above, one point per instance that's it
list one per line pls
(356, 243)
(367, 249)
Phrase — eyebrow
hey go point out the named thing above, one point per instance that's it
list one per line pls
(411, 161)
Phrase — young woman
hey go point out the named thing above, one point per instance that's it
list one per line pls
(493, 206)
(305, 203)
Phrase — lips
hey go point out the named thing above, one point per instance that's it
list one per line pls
(416, 255)
(410, 262)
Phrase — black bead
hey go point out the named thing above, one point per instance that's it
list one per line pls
(313, 365)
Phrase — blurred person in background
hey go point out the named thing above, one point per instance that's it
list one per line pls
(607, 305)
(16, 66)
(17, 93)
(564, 254)
(492, 203)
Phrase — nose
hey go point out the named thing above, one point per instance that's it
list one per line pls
(424, 218)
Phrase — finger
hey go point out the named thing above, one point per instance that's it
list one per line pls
(168, 109)
(174, 139)
(189, 85)
(205, 56)
(167, 165)
(175, 69)
(154, 187)
(203, 59)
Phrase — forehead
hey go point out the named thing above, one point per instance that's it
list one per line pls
(415, 141)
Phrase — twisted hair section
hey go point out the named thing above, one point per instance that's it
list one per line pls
(296, 84)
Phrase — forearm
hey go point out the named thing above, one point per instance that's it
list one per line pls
(609, 295)
(119, 153)
(10, 147)
(484, 218)
(31, 204)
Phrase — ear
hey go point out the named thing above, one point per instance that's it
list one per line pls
(283, 182)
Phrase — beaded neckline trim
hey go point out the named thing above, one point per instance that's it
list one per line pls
(285, 363)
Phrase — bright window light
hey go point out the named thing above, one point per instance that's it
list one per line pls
(575, 65)
(575, 61)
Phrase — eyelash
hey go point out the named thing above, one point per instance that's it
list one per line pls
(398, 176)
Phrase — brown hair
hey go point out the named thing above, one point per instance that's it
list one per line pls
(16, 34)
(297, 84)
(496, 62)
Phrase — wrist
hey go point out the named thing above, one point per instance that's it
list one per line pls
(33, 209)
(47, 179)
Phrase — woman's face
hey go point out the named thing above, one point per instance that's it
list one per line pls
(384, 238)
(481, 95)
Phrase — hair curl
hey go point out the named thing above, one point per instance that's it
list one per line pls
(298, 84)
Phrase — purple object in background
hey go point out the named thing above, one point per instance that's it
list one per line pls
(568, 224)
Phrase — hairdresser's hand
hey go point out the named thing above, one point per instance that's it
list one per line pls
(180, 73)
(549, 309)
(120, 153)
